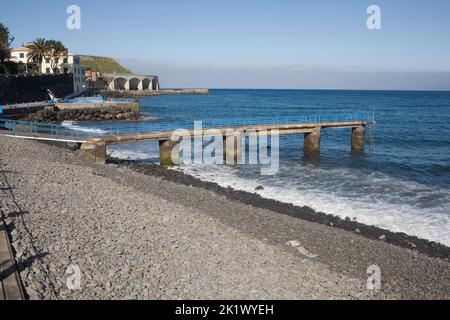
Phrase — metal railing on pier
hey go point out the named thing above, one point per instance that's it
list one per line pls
(80, 132)
(49, 130)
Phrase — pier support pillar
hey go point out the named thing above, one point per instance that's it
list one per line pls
(94, 150)
(358, 138)
(312, 143)
(232, 149)
(169, 152)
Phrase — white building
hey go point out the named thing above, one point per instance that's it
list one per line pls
(69, 63)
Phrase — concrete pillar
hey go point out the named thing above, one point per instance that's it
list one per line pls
(358, 138)
(94, 150)
(232, 149)
(140, 86)
(169, 152)
(312, 142)
(127, 85)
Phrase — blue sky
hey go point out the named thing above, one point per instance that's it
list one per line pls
(254, 43)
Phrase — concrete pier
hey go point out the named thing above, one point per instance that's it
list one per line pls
(149, 93)
(94, 150)
(312, 142)
(169, 152)
(358, 138)
(232, 149)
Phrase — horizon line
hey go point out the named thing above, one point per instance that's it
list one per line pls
(309, 89)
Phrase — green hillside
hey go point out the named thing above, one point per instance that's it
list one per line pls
(102, 65)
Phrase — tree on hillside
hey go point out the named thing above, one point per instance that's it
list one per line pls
(57, 51)
(5, 43)
(38, 51)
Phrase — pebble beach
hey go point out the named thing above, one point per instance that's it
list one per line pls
(141, 236)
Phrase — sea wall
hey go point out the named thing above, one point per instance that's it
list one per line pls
(185, 91)
(20, 111)
(25, 89)
(150, 93)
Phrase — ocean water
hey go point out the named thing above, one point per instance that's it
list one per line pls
(401, 183)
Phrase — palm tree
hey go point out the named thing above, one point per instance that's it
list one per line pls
(57, 51)
(5, 42)
(38, 51)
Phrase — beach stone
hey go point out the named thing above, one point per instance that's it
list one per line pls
(33, 294)
(293, 243)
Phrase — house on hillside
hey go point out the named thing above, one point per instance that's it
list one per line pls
(66, 64)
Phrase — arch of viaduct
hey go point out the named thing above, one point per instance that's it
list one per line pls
(131, 82)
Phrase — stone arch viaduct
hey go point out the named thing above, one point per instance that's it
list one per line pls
(131, 82)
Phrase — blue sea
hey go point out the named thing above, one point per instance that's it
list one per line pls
(401, 183)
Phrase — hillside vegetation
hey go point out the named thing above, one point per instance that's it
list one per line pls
(103, 65)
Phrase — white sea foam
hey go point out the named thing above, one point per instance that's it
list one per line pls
(371, 198)
(145, 151)
(130, 155)
(72, 125)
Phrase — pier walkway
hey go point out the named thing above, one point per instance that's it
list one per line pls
(94, 142)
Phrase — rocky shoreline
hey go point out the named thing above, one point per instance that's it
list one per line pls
(56, 115)
(139, 232)
(404, 240)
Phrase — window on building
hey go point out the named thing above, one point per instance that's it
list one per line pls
(65, 61)
(56, 60)
(47, 61)
(47, 70)
(22, 55)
